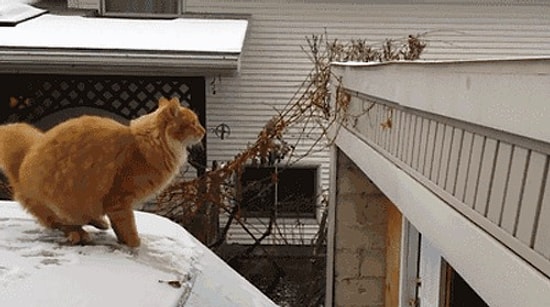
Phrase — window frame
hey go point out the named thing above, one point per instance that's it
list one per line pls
(103, 5)
(280, 169)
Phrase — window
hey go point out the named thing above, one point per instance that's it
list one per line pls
(143, 8)
(290, 192)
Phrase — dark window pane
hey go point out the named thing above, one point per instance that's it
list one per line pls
(296, 190)
(258, 191)
(142, 6)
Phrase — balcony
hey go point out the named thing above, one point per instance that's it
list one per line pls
(475, 136)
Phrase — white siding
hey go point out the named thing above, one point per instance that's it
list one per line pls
(273, 64)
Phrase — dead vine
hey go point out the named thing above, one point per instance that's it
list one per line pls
(310, 110)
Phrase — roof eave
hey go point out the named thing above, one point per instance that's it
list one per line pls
(118, 62)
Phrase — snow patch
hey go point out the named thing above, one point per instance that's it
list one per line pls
(7, 275)
(29, 254)
(170, 268)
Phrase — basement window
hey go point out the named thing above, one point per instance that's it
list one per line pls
(285, 191)
(141, 8)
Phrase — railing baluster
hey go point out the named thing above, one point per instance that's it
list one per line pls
(438, 148)
(474, 169)
(541, 241)
(430, 147)
(412, 138)
(500, 179)
(463, 165)
(527, 214)
(445, 155)
(516, 179)
(417, 141)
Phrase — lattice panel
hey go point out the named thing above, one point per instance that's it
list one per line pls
(29, 98)
(37, 96)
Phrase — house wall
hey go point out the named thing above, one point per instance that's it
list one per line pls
(366, 242)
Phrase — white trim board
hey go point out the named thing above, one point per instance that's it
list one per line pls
(507, 94)
(174, 47)
(499, 276)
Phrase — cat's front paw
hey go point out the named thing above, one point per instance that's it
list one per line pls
(132, 242)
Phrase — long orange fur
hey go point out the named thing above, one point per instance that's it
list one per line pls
(88, 167)
(15, 141)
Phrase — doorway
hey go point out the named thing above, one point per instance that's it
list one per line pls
(458, 292)
(438, 283)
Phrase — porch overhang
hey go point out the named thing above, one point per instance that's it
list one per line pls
(76, 44)
(460, 146)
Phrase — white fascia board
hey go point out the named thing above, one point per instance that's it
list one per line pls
(119, 62)
(504, 94)
(75, 44)
(498, 275)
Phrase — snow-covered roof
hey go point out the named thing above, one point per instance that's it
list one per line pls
(181, 46)
(171, 268)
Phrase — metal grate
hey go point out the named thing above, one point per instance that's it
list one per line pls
(30, 98)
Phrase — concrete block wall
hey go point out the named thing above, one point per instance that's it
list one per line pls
(361, 220)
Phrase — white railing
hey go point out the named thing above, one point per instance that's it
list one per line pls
(498, 179)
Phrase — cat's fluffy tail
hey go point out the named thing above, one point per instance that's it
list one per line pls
(15, 142)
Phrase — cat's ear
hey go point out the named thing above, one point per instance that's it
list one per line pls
(171, 106)
(175, 100)
(163, 102)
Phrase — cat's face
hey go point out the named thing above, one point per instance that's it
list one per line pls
(182, 124)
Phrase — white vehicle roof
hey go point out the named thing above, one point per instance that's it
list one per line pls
(171, 268)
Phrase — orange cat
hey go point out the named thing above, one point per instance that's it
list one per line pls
(90, 166)
(15, 141)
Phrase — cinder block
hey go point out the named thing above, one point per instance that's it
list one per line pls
(350, 179)
(373, 264)
(362, 210)
(373, 211)
(354, 181)
(350, 237)
(346, 264)
(377, 242)
(347, 209)
(359, 292)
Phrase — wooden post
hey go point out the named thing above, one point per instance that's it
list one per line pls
(393, 254)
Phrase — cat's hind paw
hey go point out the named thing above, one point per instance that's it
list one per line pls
(78, 237)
